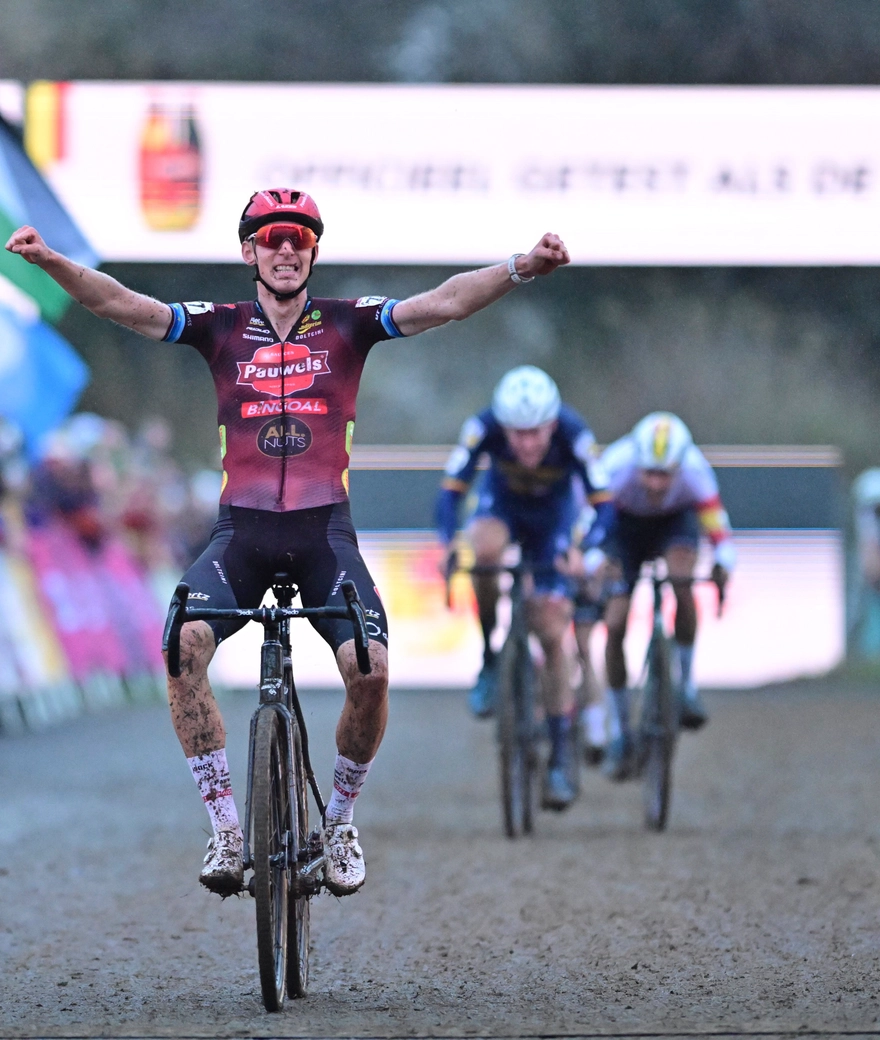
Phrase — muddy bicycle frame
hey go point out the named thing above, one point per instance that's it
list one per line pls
(275, 694)
(287, 859)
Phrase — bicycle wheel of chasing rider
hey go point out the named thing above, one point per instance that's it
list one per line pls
(298, 901)
(658, 731)
(270, 827)
(516, 750)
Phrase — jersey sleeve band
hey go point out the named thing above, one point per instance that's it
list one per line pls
(387, 321)
(178, 320)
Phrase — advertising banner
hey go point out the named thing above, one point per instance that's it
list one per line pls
(469, 174)
(783, 618)
(101, 608)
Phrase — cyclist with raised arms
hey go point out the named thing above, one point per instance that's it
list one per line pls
(537, 448)
(665, 496)
(286, 369)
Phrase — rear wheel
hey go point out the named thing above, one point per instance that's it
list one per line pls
(516, 744)
(270, 827)
(298, 904)
(658, 733)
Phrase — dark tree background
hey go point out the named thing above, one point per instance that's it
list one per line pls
(744, 355)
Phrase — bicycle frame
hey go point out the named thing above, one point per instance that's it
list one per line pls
(659, 717)
(275, 657)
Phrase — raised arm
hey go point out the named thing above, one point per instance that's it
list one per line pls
(97, 292)
(464, 294)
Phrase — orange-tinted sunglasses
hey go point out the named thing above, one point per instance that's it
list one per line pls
(273, 235)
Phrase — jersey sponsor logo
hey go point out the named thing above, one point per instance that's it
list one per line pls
(290, 406)
(266, 337)
(199, 307)
(257, 321)
(265, 373)
(370, 301)
(284, 436)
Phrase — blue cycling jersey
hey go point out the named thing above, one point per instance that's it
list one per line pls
(546, 493)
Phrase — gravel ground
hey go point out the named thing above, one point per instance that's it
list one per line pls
(756, 913)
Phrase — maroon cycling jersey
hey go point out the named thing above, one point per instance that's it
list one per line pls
(286, 410)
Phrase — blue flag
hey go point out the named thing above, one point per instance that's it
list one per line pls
(41, 378)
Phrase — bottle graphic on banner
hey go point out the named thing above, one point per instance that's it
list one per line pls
(170, 168)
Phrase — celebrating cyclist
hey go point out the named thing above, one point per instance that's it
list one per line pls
(537, 448)
(665, 495)
(286, 369)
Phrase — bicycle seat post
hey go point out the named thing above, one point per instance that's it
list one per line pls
(284, 589)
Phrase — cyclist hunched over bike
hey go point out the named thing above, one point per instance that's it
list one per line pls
(665, 495)
(286, 369)
(538, 448)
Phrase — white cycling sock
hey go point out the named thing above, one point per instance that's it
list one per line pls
(618, 717)
(594, 718)
(211, 773)
(348, 779)
(685, 660)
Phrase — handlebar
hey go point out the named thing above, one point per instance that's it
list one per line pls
(359, 624)
(453, 567)
(709, 579)
(179, 613)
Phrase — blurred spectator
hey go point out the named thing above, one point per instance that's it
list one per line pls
(198, 517)
(865, 629)
(13, 475)
(61, 488)
(103, 483)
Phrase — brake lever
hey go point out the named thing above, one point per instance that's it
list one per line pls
(173, 624)
(359, 624)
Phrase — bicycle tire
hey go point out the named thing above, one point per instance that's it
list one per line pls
(298, 904)
(516, 750)
(270, 818)
(658, 736)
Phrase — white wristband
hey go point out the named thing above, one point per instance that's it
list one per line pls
(511, 270)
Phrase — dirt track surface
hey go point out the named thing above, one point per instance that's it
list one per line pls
(757, 912)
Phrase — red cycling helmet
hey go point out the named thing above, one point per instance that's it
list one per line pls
(265, 207)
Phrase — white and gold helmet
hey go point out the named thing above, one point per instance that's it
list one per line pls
(525, 397)
(661, 440)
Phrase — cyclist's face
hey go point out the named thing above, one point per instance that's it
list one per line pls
(656, 482)
(530, 446)
(283, 268)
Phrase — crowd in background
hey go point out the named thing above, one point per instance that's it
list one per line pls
(101, 482)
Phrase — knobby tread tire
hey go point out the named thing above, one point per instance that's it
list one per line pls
(269, 821)
(515, 736)
(658, 737)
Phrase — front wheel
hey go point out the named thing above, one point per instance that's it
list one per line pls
(270, 831)
(658, 732)
(516, 745)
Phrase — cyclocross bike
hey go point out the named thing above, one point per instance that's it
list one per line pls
(517, 730)
(286, 858)
(659, 714)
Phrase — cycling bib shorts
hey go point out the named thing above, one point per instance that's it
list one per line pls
(633, 540)
(317, 547)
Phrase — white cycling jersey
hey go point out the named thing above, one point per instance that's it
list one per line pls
(693, 485)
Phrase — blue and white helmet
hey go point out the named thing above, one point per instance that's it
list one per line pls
(661, 440)
(525, 397)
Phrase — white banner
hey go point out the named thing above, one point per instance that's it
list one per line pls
(783, 618)
(469, 174)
